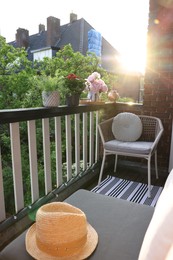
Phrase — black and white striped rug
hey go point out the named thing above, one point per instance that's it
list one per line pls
(128, 190)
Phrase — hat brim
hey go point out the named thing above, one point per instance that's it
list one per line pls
(86, 251)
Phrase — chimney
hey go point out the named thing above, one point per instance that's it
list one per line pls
(53, 30)
(73, 17)
(22, 38)
(41, 28)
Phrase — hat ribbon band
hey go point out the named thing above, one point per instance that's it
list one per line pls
(63, 249)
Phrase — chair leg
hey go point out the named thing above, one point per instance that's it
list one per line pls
(102, 167)
(115, 165)
(149, 177)
(156, 168)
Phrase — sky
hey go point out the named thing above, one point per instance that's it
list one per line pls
(123, 23)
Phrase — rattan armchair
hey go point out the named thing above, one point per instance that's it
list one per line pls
(152, 130)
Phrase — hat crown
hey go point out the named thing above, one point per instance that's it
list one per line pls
(61, 232)
(60, 228)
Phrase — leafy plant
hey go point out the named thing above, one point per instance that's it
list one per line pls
(72, 84)
(46, 83)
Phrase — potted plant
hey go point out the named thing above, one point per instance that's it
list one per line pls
(71, 89)
(49, 87)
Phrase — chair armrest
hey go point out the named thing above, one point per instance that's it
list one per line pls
(105, 130)
(158, 133)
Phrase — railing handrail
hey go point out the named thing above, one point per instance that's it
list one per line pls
(25, 114)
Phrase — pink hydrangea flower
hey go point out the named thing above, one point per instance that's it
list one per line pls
(95, 84)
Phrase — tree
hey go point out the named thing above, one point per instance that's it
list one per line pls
(69, 62)
(15, 73)
(18, 88)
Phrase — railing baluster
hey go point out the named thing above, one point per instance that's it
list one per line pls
(68, 147)
(33, 160)
(85, 140)
(17, 166)
(91, 144)
(58, 151)
(77, 143)
(46, 151)
(2, 200)
(97, 138)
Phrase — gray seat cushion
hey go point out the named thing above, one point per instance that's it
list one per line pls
(137, 147)
(121, 226)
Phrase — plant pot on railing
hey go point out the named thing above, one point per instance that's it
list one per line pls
(72, 87)
(49, 87)
(50, 98)
(72, 100)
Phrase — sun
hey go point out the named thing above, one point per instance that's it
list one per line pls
(131, 36)
(133, 49)
(133, 61)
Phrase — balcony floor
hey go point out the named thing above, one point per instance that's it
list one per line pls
(132, 171)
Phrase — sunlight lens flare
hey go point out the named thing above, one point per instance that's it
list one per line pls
(133, 62)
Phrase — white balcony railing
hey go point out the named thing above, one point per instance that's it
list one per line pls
(47, 142)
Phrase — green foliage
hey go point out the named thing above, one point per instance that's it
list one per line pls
(13, 89)
(76, 63)
(21, 84)
(33, 96)
(15, 74)
(46, 83)
(71, 84)
(126, 100)
(12, 60)
(68, 62)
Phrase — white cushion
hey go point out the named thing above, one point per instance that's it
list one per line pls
(127, 127)
(137, 147)
(159, 235)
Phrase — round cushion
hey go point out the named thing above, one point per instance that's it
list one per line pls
(127, 127)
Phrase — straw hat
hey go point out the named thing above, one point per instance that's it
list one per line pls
(61, 232)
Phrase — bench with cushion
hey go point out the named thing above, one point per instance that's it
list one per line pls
(125, 229)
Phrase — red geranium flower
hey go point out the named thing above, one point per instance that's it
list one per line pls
(74, 84)
(72, 76)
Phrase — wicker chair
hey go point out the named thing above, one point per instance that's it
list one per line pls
(152, 130)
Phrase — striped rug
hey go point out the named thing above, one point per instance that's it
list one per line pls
(128, 190)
